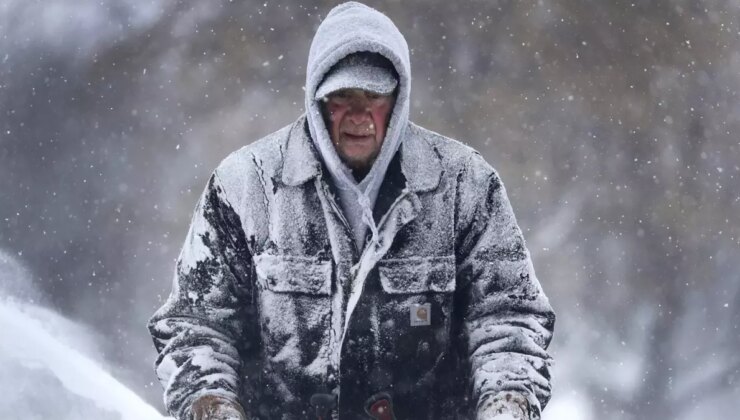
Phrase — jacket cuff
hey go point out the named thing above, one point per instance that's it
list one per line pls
(505, 404)
(210, 402)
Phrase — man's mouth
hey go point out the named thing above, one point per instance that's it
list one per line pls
(357, 136)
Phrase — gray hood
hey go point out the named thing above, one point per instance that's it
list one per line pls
(348, 28)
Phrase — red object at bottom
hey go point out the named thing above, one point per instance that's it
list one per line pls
(381, 410)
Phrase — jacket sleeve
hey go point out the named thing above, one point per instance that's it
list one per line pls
(196, 330)
(508, 322)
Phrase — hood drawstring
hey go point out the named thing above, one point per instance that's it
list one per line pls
(367, 214)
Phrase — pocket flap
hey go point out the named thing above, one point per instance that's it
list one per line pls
(417, 275)
(290, 274)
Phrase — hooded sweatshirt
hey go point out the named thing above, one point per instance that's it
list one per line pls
(348, 28)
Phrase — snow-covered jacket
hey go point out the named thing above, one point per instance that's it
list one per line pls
(273, 302)
(259, 309)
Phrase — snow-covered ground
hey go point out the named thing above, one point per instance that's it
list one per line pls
(49, 378)
(48, 366)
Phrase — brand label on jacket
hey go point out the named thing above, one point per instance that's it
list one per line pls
(421, 314)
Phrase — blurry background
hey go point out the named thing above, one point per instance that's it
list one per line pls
(615, 126)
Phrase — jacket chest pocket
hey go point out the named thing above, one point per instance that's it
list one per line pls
(295, 306)
(415, 310)
(424, 275)
(290, 274)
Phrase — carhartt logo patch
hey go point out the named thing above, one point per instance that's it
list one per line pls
(421, 314)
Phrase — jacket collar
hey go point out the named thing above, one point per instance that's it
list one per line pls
(300, 160)
(420, 163)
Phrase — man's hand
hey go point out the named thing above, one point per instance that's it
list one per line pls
(504, 406)
(212, 407)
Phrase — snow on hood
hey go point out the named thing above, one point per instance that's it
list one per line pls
(348, 28)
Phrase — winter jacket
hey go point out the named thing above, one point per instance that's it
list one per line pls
(273, 302)
(259, 306)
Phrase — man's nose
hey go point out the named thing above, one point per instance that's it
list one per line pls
(359, 112)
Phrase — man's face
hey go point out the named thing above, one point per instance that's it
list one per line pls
(357, 121)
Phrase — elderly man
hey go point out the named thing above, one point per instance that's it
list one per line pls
(354, 265)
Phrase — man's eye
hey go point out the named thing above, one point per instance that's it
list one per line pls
(339, 99)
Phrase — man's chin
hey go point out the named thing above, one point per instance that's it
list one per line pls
(358, 164)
